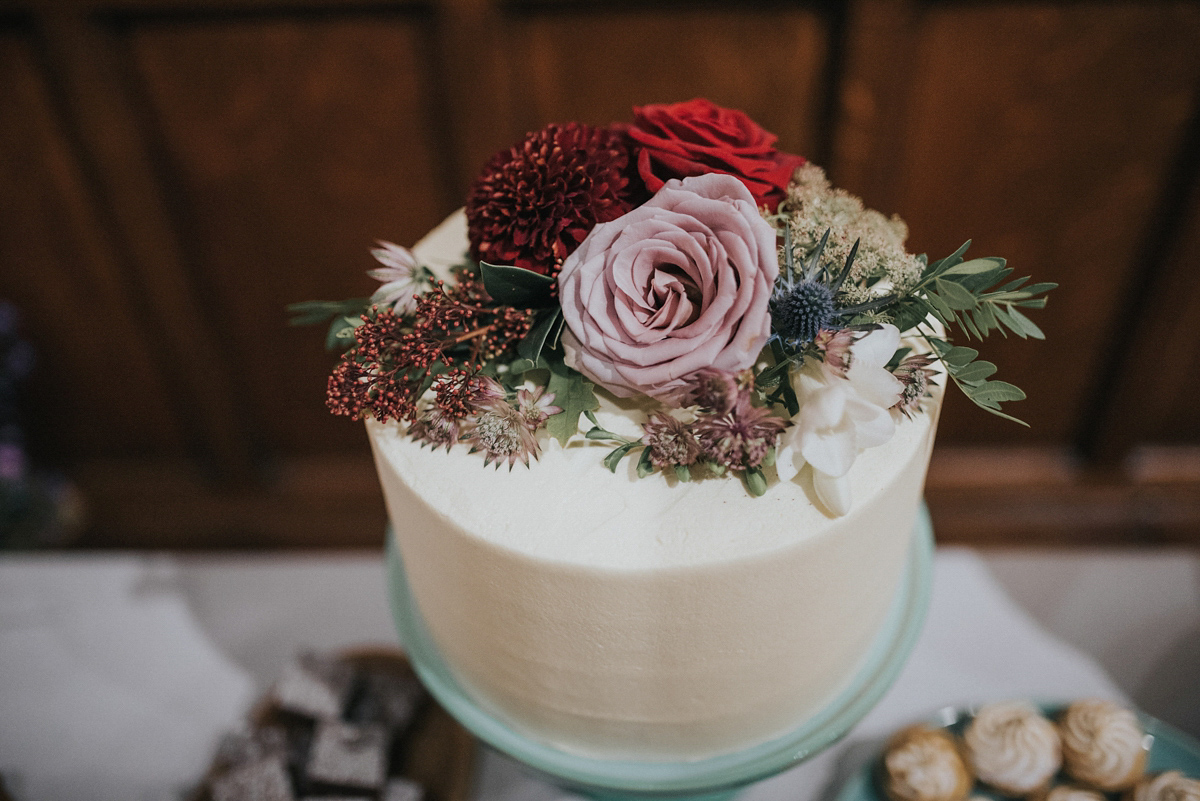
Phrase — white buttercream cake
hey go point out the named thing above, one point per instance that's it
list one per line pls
(647, 618)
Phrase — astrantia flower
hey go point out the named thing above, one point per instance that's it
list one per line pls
(739, 438)
(712, 390)
(434, 427)
(536, 407)
(460, 393)
(916, 375)
(535, 202)
(503, 434)
(401, 277)
(841, 416)
(670, 441)
(836, 348)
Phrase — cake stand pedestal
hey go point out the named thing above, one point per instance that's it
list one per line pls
(713, 779)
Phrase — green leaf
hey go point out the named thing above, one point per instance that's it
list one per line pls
(644, 466)
(938, 344)
(975, 267)
(898, 357)
(682, 472)
(546, 327)
(940, 307)
(756, 482)
(1025, 323)
(786, 391)
(617, 454)
(968, 325)
(574, 395)
(999, 391)
(975, 372)
(985, 319)
(941, 265)
(1014, 285)
(958, 356)
(522, 365)
(1014, 326)
(955, 296)
(996, 411)
(341, 332)
(908, 313)
(311, 312)
(1040, 289)
(514, 286)
(976, 284)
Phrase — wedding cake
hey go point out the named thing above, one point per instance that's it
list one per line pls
(652, 418)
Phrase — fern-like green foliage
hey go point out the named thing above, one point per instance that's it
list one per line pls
(975, 297)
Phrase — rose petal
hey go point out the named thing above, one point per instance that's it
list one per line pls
(680, 283)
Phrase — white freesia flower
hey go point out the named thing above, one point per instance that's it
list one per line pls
(840, 416)
(401, 278)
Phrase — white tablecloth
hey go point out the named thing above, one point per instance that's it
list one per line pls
(118, 672)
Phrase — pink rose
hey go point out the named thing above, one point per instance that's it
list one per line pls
(677, 284)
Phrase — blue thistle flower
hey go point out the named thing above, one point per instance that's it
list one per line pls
(799, 313)
(803, 303)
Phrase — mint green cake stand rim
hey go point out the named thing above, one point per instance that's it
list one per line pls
(710, 776)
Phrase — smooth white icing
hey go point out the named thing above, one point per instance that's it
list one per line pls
(645, 619)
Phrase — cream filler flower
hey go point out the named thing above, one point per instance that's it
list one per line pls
(403, 279)
(841, 414)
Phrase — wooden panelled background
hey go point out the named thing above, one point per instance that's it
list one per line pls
(173, 172)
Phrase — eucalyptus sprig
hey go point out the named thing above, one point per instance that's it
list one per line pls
(969, 295)
(971, 375)
(974, 297)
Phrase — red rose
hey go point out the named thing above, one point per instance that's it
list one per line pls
(698, 137)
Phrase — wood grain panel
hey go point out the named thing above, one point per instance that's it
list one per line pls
(1158, 391)
(1045, 133)
(593, 64)
(296, 143)
(96, 389)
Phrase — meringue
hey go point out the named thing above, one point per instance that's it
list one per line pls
(924, 764)
(1169, 786)
(1102, 745)
(1013, 748)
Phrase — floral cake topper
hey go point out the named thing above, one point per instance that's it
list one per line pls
(768, 320)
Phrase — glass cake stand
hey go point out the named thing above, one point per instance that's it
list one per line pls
(710, 779)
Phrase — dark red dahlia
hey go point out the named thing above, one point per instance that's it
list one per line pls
(535, 202)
